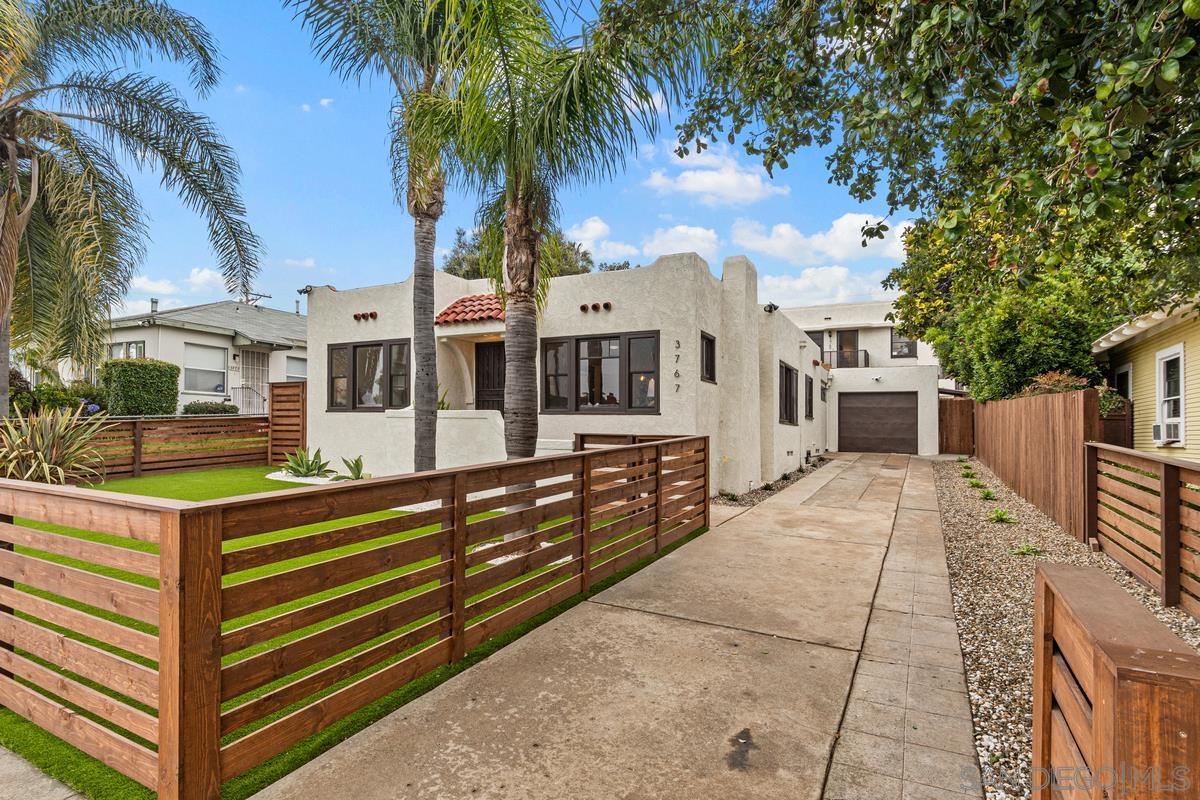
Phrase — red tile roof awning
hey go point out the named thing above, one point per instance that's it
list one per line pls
(472, 308)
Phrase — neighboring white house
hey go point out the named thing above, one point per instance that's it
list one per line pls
(663, 349)
(227, 350)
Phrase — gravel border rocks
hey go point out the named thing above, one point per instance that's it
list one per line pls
(756, 496)
(993, 602)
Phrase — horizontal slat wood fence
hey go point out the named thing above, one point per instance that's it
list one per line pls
(1116, 694)
(147, 445)
(288, 409)
(1144, 512)
(1035, 445)
(186, 643)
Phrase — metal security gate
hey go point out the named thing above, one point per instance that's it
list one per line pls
(877, 422)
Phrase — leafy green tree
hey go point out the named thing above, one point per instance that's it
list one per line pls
(534, 112)
(997, 329)
(408, 43)
(71, 229)
(614, 266)
(1054, 117)
(465, 258)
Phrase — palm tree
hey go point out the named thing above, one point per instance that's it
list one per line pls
(401, 40)
(71, 229)
(532, 114)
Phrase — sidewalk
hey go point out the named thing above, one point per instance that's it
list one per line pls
(804, 648)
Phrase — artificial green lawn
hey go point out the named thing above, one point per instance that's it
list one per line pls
(95, 780)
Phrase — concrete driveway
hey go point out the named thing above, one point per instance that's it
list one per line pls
(802, 649)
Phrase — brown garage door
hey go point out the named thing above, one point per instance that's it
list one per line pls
(877, 422)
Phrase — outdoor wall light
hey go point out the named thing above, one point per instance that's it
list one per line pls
(770, 308)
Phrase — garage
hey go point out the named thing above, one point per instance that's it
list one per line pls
(877, 422)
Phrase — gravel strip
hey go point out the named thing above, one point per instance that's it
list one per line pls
(993, 603)
(756, 496)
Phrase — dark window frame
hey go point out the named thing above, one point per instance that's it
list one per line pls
(572, 343)
(708, 365)
(817, 338)
(808, 397)
(789, 390)
(352, 390)
(906, 340)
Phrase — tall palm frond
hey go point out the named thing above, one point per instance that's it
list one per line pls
(72, 232)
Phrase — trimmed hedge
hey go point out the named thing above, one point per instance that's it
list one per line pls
(140, 386)
(209, 407)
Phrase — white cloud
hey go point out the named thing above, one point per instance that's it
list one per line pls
(842, 241)
(819, 285)
(593, 233)
(326, 102)
(241, 88)
(305, 107)
(154, 286)
(204, 279)
(716, 179)
(308, 262)
(682, 239)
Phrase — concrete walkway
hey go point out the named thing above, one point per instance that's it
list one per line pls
(802, 649)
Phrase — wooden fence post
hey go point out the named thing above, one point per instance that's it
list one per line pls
(6, 518)
(707, 485)
(1090, 493)
(189, 664)
(585, 488)
(1168, 509)
(1043, 697)
(137, 447)
(659, 497)
(458, 589)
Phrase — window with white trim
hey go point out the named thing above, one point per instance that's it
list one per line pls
(1170, 408)
(204, 368)
(296, 369)
(127, 350)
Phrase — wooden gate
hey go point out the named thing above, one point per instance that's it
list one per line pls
(289, 419)
(956, 425)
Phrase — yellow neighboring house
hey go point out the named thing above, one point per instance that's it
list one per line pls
(1154, 361)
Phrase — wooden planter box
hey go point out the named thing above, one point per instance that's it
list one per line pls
(1116, 695)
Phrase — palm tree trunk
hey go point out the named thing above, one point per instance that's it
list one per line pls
(12, 228)
(425, 218)
(520, 331)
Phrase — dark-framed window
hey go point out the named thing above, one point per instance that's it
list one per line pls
(369, 376)
(615, 373)
(808, 397)
(708, 357)
(127, 350)
(789, 385)
(902, 346)
(824, 389)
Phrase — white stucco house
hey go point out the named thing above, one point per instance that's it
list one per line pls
(663, 349)
(227, 350)
(887, 384)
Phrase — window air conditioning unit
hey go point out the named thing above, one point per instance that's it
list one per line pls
(1166, 433)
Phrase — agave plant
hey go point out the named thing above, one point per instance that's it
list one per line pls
(354, 470)
(55, 446)
(301, 464)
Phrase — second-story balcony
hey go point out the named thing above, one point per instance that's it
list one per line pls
(846, 358)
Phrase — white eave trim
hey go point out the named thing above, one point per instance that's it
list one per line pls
(1138, 326)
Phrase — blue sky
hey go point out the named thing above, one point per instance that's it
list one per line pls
(317, 185)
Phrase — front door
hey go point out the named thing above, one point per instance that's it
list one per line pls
(489, 375)
(847, 345)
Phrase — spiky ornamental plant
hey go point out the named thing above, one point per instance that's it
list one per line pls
(72, 231)
(55, 446)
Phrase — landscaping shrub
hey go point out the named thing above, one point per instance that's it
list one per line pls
(975, 483)
(987, 494)
(1001, 515)
(209, 407)
(47, 397)
(140, 386)
(354, 470)
(1026, 550)
(53, 446)
(301, 464)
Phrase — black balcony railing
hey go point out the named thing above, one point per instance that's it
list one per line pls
(846, 358)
